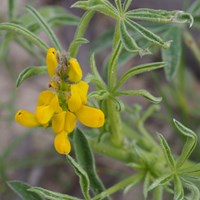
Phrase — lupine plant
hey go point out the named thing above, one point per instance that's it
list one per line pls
(108, 125)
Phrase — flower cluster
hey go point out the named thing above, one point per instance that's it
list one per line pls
(61, 107)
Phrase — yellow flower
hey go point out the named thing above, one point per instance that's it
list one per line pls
(48, 105)
(63, 121)
(26, 118)
(51, 61)
(62, 144)
(74, 71)
(78, 96)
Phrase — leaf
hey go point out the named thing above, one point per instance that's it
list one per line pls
(99, 94)
(21, 189)
(45, 27)
(85, 159)
(25, 32)
(162, 16)
(29, 72)
(138, 70)
(160, 181)
(148, 34)
(11, 9)
(143, 93)
(83, 177)
(190, 143)
(146, 184)
(126, 4)
(178, 189)
(102, 6)
(172, 56)
(128, 42)
(95, 71)
(167, 152)
(195, 194)
(81, 40)
(51, 195)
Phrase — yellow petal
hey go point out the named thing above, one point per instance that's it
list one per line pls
(82, 89)
(74, 102)
(91, 117)
(26, 118)
(62, 144)
(58, 122)
(74, 71)
(49, 98)
(51, 61)
(44, 114)
(45, 97)
(70, 122)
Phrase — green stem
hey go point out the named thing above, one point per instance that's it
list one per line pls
(191, 43)
(133, 180)
(114, 123)
(113, 152)
(81, 29)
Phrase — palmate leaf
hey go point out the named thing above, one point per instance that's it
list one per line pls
(172, 55)
(194, 190)
(155, 39)
(29, 72)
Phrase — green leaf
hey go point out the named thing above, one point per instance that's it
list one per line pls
(178, 189)
(172, 56)
(21, 189)
(45, 26)
(80, 31)
(85, 159)
(167, 152)
(51, 195)
(128, 42)
(81, 40)
(194, 9)
(160, 181)
(190, 143)
(95, 71)
(26, 33)
(99, 94)
(148, 34)
(195, 194)
(102, 6)
(143, 93)
(138, 70)
(83, 177)
(146, 184)
(29, 72)
(162, 16)
(126, 4)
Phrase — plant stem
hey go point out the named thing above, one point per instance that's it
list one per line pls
(74, 46)
(115, 123)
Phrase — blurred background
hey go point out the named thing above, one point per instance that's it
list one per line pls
(28, 154)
